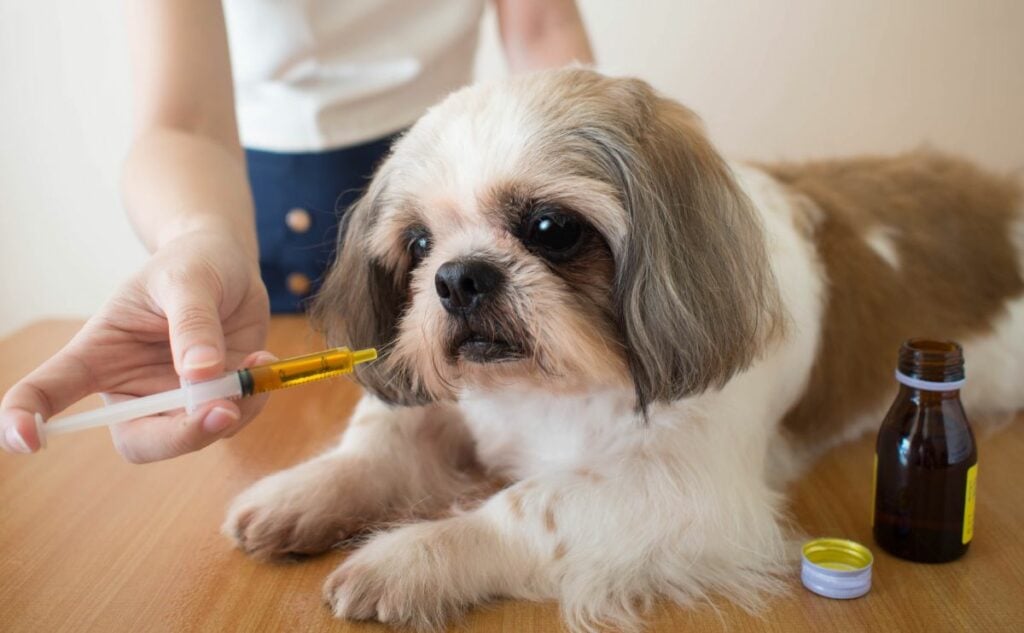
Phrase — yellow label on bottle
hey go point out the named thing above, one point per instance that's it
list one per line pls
(874, 489)
(972, 486)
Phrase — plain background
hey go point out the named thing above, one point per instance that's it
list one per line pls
(788, 79)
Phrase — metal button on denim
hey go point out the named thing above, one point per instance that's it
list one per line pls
(298, 220)
(300, 200)
(298, 284)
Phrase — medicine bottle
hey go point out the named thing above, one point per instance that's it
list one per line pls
(926, 462)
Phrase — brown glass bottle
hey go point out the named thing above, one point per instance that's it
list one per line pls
(926, 459)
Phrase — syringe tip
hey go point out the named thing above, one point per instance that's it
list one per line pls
(364, 355)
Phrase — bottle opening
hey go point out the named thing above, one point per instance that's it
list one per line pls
(931, 360)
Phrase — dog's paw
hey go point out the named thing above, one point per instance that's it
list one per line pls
(420, 576)
(305, 510)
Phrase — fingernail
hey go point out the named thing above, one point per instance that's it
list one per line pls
(200, 356)
(219, 419)
(266, 358)
(15, 441)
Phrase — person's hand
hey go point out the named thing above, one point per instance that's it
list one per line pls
(197, 308)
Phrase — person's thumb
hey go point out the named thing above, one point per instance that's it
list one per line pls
(196, 334)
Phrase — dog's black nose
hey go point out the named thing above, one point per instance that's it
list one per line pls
(461, 284)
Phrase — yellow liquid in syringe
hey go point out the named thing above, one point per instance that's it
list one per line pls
(302, 369)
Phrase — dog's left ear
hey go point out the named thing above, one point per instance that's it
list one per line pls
(694, 294)
(361, 301)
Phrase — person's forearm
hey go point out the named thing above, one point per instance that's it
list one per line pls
(186, 170)
(538, 34)
(174, 182)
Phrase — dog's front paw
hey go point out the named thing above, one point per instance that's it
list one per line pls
(421, 576)
(304, 510)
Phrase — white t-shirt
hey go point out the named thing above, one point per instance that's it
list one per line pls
(320, 74)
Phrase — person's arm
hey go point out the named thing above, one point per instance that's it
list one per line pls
(185, 170)
(539, 34)
(198, 306)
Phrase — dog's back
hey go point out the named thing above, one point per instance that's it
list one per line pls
(919, 245)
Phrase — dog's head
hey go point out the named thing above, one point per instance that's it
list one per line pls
(564, 229)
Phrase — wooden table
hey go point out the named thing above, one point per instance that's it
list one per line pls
(91, 543)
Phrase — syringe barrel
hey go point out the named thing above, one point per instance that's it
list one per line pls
(244, 382)
(189, 397)
(228, 386)
(118, 412)
(302, 369)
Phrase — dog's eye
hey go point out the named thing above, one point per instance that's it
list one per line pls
(554, 234)
(418, 246)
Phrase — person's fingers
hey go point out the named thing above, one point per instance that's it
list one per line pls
(55, 385)
(19, 432)
(250, 407)
(164, 436)
(262, 357)
(195, 330)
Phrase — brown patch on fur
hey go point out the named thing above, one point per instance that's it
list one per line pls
(806, 214)
(515, 503)
(485, 487)
(549, 517)
(950, 224)
(589, 474)
(560, 550)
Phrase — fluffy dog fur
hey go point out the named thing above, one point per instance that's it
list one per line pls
(645, 392)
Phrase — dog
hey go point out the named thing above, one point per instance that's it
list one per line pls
(575, 294)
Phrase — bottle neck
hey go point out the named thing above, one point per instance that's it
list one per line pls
(924, 384)
(931, 365)
(927, 395)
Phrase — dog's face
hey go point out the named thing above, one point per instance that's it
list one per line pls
(563, 229)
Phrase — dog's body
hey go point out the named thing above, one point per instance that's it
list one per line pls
(646, 396)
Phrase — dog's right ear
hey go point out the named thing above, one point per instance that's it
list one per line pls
(361, 302)
(694, 293)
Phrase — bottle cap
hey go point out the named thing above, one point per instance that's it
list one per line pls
(836, 568)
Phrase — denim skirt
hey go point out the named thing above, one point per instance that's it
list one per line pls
(300, 199)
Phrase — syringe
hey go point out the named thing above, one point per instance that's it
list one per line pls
(235, 384)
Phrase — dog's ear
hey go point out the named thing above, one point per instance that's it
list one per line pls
(694, 294)
(361, 301)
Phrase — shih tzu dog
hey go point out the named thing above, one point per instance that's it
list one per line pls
(575, 294)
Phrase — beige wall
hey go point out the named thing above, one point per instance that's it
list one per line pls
(783, 79)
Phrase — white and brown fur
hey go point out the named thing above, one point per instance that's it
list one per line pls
(721, 324)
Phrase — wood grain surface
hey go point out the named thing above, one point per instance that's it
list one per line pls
(91, 543)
